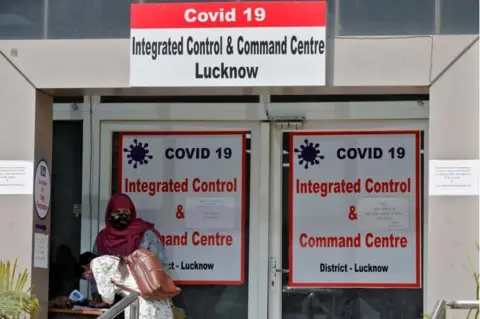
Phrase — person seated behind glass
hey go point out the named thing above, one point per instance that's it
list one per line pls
(104, 271)
(60, 299)
(84, 259)
(63, 278)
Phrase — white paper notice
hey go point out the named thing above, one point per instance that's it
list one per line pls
(210, 213)
(16, 177)
(453, 177)
(40, 251)
(383, 213)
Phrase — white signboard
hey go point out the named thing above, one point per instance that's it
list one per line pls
(191, 186)
(42, 189)
(228, 44)
(453, 178)
(355, 211)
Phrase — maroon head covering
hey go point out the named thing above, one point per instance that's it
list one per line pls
(111, 241)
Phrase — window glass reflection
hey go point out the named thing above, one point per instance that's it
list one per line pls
(459, 17)
(94, 19)
(21, 19)
(97, 19)
(386, 17)
(88, 19)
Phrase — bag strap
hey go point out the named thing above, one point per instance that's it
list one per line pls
(133, 292)
(123, 287)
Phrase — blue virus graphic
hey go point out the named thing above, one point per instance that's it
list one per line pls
(309, 154)
(138, 153)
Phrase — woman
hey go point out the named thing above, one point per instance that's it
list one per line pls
(105, 270)
(124, 232)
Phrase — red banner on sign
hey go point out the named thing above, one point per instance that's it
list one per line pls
(228, 15)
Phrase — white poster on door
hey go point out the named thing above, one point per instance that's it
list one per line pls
(355, 209)
(191, 185)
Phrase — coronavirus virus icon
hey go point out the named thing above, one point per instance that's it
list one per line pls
(309, 154)
(138, 153)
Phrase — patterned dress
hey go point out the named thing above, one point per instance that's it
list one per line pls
(105, 271)
(149, 241)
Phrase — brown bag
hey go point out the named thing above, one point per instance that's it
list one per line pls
(152, 279)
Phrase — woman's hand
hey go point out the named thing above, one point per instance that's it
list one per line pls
(98, 304)
(61, 302)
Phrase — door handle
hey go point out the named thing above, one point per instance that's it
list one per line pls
(273, 267)
(283, 271)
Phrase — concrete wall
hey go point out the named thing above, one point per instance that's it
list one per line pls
(357, 65)
(25, 134)
(453, 221)
(384, 65)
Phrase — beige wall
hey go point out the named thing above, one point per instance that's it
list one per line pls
(453, 221)
(401, 63)
(25, 134)
(360, 65)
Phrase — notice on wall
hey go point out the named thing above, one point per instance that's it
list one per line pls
(191, 186)
(16, 177)
(219, 44)
(40, 251)
(355, 216)
(453, 177)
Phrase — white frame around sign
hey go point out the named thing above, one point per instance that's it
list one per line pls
(100, 119)
(345, 124)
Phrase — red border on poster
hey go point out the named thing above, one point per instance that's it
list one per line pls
(243, 134)
(418, 248)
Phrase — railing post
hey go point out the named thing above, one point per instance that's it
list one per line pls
(440, 310)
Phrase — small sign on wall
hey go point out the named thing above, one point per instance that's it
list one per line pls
(42, 189)
(40, 251)
(453, 178)
(16, 177)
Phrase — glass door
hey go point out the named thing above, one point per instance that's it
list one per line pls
(200, 298)
(330, 257)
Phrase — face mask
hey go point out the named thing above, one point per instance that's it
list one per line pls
(120, 221)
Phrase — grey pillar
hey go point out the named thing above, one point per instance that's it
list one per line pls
(453, 221)
(26, 135)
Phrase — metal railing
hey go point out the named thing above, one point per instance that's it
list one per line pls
(440, 310)
(120, 306)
